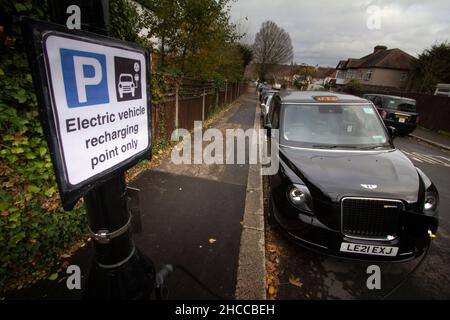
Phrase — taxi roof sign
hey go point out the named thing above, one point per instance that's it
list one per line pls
(326, 98)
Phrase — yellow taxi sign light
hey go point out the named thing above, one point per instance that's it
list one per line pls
(326, 98)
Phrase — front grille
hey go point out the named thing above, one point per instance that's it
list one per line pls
(370, 218)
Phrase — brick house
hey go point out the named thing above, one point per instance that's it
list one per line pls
(382, 69)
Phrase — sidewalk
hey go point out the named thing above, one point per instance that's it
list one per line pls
(192, 215)
(434, 138)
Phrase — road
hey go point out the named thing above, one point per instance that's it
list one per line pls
(324, 277)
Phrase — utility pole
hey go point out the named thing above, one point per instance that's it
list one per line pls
(119, 270)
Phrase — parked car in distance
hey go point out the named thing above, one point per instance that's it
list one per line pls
(266, 102)
(398, 112)
(260, 88)
(342, 188)
(276, 86)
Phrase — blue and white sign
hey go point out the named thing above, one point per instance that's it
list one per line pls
(99, 102)
(84, 76)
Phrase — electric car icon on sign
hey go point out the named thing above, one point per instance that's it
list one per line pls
(126, 85)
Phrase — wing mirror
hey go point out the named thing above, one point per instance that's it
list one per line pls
(392, 132)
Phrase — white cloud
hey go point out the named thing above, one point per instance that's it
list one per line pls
(323, 32)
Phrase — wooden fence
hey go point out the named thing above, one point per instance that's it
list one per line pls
(188, 103)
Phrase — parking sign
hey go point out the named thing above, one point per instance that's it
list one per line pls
(93, 94)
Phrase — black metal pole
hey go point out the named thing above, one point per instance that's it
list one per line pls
(119, 271)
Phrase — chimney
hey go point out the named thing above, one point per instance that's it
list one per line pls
(379, 48)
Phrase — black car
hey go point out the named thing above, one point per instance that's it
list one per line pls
(342, 188)
(266, 98)
(396, 111)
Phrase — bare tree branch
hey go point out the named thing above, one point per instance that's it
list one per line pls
(272, 46)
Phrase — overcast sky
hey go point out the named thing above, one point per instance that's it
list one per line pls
(324, 32)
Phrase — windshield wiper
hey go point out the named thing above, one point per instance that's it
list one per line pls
(373, 147)
(348, 146)
(334, 146)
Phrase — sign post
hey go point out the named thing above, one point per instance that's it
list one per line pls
(95, 109)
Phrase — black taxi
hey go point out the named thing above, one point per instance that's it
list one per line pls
(342, 187)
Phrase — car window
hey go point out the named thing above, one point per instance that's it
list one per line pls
(408, 107)
(126, 78)
(399, 104)
(269, 100)
(377, 101)
(337, 125)
(275, 114)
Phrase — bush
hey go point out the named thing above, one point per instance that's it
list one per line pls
(34, 230)
(353, 86)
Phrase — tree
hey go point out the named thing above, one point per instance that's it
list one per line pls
(163, 19)
(246, 53)
(195, 36)
(272, 46)
(126, 21)
(432, 67)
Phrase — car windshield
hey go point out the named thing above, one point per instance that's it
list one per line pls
(126, 78)
(333, 126)
(401, 105)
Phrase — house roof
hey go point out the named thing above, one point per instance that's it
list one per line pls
(322, 73)
(388, 59)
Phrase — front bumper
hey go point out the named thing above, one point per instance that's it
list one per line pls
(402, 127)
(309, 232)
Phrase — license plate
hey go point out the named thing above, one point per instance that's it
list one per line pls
(369, 249)
(402, 120)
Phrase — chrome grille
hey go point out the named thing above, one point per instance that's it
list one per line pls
(370, 218)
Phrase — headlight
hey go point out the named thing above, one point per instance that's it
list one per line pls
(300, 197)
(431, 202)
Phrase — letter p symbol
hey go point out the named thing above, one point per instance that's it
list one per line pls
(84, 76)
(81, 79)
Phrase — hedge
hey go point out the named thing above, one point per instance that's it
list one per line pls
(34, 229)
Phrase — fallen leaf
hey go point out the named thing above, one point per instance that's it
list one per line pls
(53, 277)
(295, 281)
(272, 290)
(212, 240)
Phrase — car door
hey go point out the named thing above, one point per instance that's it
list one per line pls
(274, 116)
